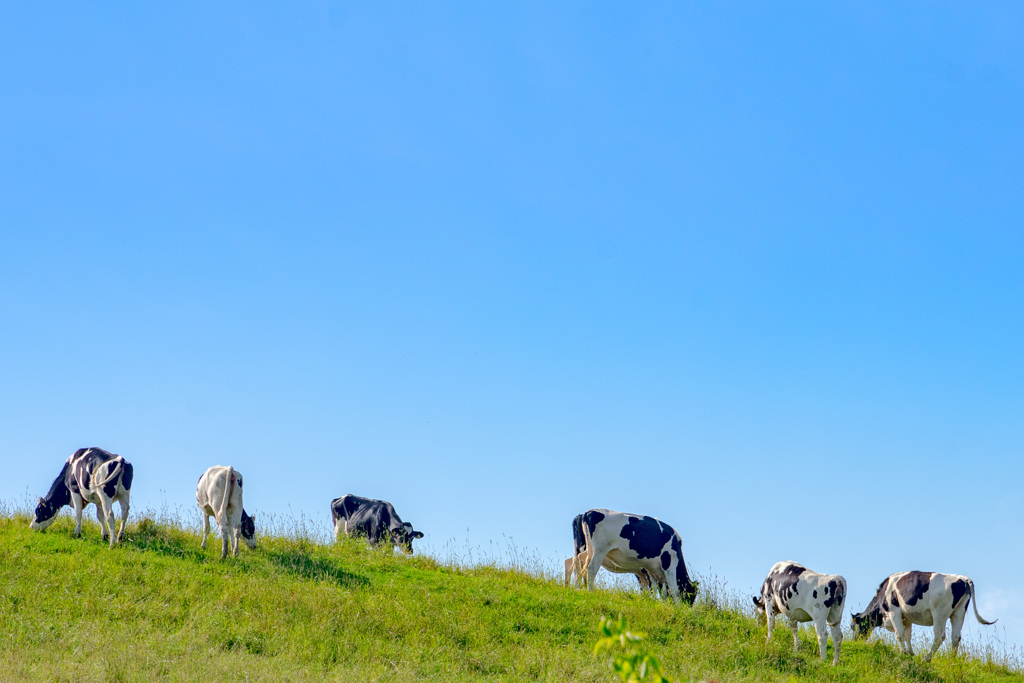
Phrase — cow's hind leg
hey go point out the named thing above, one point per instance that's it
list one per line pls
(108, 512)
(837, 640)
(939, 631)
(592, 565)
(956, 623)
(794, 626)
(821, 629)
(206, 528)
(236, 531)
(103, 522)
(225, 533)
(124, 516)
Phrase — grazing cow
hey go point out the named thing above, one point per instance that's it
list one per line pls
(90, 475)
(574, 564)
(923, 598)
(219, 495)
(802, 595)
(374, 519)
(631, 544)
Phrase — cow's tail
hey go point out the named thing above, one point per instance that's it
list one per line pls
(116, 470)
(229, 488)
(588, 549)
(974, 604)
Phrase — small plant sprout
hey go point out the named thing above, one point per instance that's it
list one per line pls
(631, 660)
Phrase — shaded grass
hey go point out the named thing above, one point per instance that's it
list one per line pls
(296, 609)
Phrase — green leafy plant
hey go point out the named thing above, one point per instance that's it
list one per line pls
(631, 661)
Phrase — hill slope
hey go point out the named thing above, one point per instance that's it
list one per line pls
(159, 606)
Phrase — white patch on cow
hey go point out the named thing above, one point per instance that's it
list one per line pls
(219, 495)
(801, 595)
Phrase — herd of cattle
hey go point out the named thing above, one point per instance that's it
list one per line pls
(621, 543)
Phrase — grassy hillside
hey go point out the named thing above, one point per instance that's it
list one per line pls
(160, 607)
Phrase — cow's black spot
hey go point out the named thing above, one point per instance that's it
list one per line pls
(959, 588)
(687, 590)
(110, 488)
(646, 535)
(912, 586)
(591, 518)
(894, 599)
(127, 475)
(666, 560)
(783, 584)
(814, 594)
(831, 590)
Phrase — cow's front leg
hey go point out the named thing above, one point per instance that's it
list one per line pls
(79, 505)
(896, 619)
(769, 615)
(939, 632)
(794, 627)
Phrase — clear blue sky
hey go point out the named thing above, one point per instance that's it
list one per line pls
(755, 269)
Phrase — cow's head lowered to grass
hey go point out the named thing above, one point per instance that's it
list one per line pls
(247, 530)
(404, 536)
(45, 514)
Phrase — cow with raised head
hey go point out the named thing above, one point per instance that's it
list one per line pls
(376, 520)
(923, 598)
(625, 543)
(574, 564)
(802, 595)
(90, 475)
(219, 495)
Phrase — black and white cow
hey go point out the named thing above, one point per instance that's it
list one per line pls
(574, 564)
(374, 519)
(923, 598)
(219, 494)
(90, 475)
(802, 595)
(631, 544)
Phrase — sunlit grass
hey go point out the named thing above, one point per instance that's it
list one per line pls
(302, 608)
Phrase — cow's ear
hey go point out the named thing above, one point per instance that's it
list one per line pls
(758, 602)
(417, 534)
(40, 500)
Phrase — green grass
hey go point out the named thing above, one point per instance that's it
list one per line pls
(293, 609)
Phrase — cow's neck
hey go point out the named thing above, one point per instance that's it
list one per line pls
(59, 494)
